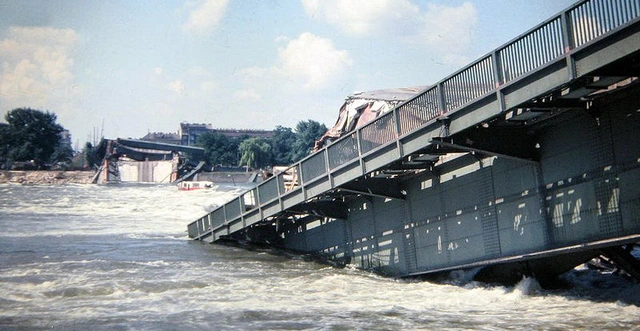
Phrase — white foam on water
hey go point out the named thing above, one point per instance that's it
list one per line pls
(160, 210)
(158, 280)
(527, 286)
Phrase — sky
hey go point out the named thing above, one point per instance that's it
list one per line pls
(125, 68)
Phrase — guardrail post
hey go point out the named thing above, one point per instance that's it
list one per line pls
(498, 78)
(242, 209)
(363, 171)
(441, 99)
(259, 202)
(327, 168)
(396, 118)
(568, 42)
(280, 193)
(301, 180)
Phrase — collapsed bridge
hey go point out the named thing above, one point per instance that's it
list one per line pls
(524, 162)
(133, 160)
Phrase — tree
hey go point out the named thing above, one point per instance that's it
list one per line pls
(91, 156)
(218, 148)
(6, 141)
(286, 147)
(34, 135)
(255, 153)
(307, 132)
(281, 145)
(63, 153)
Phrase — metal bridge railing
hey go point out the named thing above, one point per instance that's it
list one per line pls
(469, 84)
(313, 167)
(343, 151)
(377, 133)
(544, 44)
(531, 51)
(419, 111)
(591, 19)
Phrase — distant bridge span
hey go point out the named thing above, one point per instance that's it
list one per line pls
(527, 161)
(147, 161)
(197, 152)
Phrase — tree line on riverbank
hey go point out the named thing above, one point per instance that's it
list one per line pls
(287, 146)
(32, 139)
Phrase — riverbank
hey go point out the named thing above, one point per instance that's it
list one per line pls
(46, 177)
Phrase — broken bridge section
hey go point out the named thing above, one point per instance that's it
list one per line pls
(527, 160)
(132, 160)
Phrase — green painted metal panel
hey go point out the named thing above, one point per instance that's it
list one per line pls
(313, 167)
(346, 173)
(419, 139)
(381, 157)
(538, 83)
(318, 187)
(193, 230)
(271, 209)
(236, 225)
(474, 114)
(292, 198)
(268, 190)
(217, 217)
(252, 217)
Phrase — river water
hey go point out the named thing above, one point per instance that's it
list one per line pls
(117, 257)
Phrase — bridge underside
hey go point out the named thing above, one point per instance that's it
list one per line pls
(553, 192)
(533, 176)
(550, 183)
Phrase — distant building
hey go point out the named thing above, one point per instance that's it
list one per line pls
(239, 133)
(161, 137)
(189, 132)
(65, 138)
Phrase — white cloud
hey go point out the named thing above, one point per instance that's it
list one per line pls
(443, 25)
(313, 59)
(247, 94)
(36, 69)
(195, 84)
(253, 74)
(310, 61)
(198, 71)
(176, 86)
(302, 82)
(361, 17)
(205, 15)
(435, 27)
(282, 39)
(207, 87)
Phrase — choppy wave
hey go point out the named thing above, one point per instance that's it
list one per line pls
(115, 258)
(99, 210)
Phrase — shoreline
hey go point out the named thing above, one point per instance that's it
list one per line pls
(51, 177)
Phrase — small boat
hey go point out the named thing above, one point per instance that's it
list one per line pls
(194, 185)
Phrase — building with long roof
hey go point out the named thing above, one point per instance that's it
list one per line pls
(188, 134)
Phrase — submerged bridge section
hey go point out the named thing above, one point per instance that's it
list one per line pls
(528, 158)
(146, 161)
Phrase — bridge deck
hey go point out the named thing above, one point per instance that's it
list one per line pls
(591, 46)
